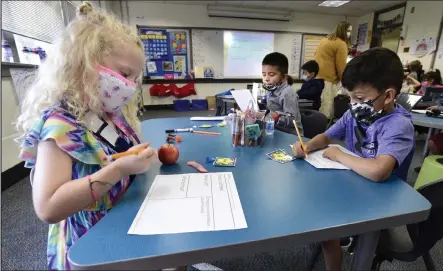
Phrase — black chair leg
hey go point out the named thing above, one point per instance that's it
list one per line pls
(314, 257)
(430, 266)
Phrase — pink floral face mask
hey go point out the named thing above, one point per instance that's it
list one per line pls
(114, 91)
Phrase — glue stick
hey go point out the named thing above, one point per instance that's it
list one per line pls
(242, 130)
(237, 128)
(231, 120)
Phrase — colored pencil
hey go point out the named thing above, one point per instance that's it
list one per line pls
(206, 133)
(301, 140)
(121, 154)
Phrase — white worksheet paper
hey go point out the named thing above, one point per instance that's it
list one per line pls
(419, 111)
(243, 97)
(317, 160)
(207, 118)
(190, 203)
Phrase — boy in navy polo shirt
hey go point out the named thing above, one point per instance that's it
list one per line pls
(375, 127)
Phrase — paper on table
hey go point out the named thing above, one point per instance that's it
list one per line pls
(419, 111)
(208, 118)
(243, 97)
(255, 91)
(190, 203)
(317, 160)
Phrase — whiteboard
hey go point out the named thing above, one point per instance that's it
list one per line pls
(290, 44)
(244, 52)
(208, 50)
(23, 78)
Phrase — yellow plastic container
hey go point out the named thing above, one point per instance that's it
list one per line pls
(431, 171)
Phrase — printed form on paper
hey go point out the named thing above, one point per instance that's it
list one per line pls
(190, 203)
(317, 160)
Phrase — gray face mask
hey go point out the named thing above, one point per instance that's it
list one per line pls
(305, 77)
(271, 87)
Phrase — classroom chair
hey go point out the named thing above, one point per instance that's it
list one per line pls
(431, 170)
(404, 243)
(314, 122)
(347, 244)
(409, 242)
(341, 105)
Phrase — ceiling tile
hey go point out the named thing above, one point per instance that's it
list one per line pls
(228, 3)
(293, 4)
(354, 8)
(198, 3)
(254, 3)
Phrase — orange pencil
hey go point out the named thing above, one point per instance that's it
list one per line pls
(121, 154)
(206, 133)
(299, 138)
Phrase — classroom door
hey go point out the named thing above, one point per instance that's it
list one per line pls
(376, 38)
(390, 38)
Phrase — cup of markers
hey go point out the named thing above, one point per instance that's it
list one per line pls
(246, 130)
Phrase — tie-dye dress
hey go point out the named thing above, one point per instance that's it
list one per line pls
(87, 152)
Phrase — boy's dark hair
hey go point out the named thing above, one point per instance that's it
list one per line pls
(280, 61)
(311, 66)
(434, 75)
(379, 67)
(415, 66)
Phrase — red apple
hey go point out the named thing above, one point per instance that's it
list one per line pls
(168, 154)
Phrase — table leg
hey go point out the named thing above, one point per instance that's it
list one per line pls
(364, 251)
(425, 150)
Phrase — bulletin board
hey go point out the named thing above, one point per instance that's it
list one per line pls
(310, 44)
(167, 52)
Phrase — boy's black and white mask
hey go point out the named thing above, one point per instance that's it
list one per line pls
(365, 112)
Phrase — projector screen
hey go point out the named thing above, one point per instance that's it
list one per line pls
(244, 53)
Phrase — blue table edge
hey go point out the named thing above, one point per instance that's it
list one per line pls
(257, 246)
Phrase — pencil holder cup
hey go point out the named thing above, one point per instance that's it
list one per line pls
(253, 135)
(247, 131)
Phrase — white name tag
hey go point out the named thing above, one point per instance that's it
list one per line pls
(94, 123)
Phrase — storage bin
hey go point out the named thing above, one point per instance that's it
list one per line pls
(199, 105)
(182, 105)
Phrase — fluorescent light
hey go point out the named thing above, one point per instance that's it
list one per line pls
(248, 13)
(332, 4)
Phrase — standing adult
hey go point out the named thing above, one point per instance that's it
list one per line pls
(331, 56)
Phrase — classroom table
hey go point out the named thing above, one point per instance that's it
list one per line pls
(433, 124)
(285, 205)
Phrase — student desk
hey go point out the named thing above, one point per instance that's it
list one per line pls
(284, 204)
(432, 123)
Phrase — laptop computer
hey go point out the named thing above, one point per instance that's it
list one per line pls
(408, 101)
(430, 98)
(430, 93)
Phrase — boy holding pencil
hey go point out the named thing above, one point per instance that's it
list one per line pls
(374, 128)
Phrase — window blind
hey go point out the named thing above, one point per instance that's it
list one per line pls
(41, 20)
(69, 11)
